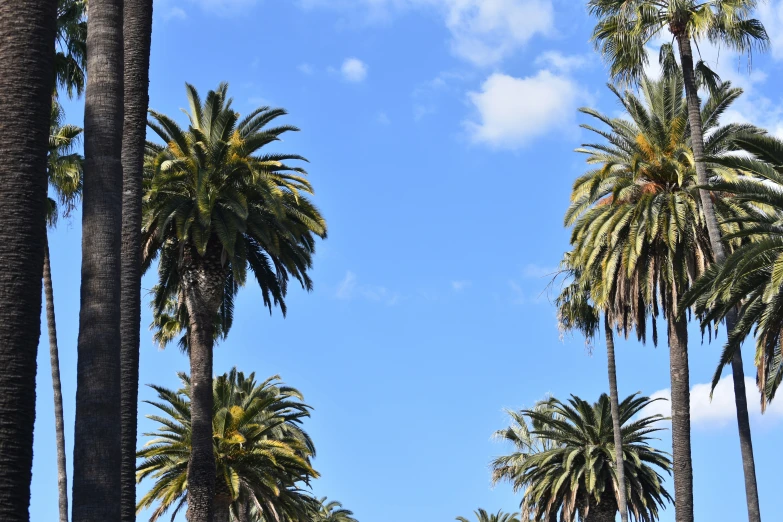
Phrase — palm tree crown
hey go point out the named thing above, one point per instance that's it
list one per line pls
(332, 511)
(212, 194)
(483, 516)
(564, 461)
(262, 453)
(625, 27)
(64, 166)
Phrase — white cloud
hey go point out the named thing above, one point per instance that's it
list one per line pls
(557, 61)
(483, 32)
(383, 118)
(719, 411)
(306, 68)
(350, 289)
(459, 286)
(514, 111)
(354, 70)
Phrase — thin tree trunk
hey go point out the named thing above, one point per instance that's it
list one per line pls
(137, 34)
(719, 252)
(202, 279)
(681, 419)
(59, 423)
(614, 399)
(97, 447)
(27, 32)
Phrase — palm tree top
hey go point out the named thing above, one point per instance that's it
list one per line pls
(626, 27)
(332, 511)
(483, 516)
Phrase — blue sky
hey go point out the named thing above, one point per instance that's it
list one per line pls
(440, 135)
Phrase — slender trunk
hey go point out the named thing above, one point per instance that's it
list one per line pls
(719, 252)
(59, 423)
(681, 419)
(202, 284)
(618, 436)
(97, 447)
(137, 32)
(27, 32)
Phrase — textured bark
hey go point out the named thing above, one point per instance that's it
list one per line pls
(202, 285)
(96, 461)
(618, 436)
(681, 420)
(222, 505)
(606, 511)
(27, 31)
(54, 356)
(719, 252)
(137, 33)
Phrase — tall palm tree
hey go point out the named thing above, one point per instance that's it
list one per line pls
(564, 467)
(215, 207)
(575, 311)
(262, 453)
(96, 459)
(332, 511)
(750, 277)
(639, 230)
(137, 35)
(483, 516)
(65, 179)
(624, 28)
(27, 33)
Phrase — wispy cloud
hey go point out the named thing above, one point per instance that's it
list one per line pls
(383, 118)
(459, 286)
(721, 410)
(306, 68)
(534, 271)
(174, 13)
(350, 289)
(354, 70)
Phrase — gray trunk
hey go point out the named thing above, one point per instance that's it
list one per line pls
(137, 32)
(202, 285)
(54, 356)
(681, 419)
(27, 32)
(719, 252)
(97, 447)
(616, 425)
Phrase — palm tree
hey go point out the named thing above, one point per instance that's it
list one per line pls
(137, 34)
(750, 277)
(27, 32)
(65, 179)
(96, 459)
(575, 311)
(332, 511)
(565, 466)
(215, 207)
(483, 516)
(624, 28)
(639, 230)
(262, 453)
(71, 46)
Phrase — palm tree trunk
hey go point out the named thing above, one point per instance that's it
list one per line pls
(27, 32)
(202, 284)
(137, 33)
(681, 419)
(618, 436)
(59, 423)
(697, 143)
(97, 447)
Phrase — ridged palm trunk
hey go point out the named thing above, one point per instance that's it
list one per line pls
(606, 511)
(137, 35)
(96, 461)
(681, 419)
(614, 399)
(202, 285)
(738, 375)
(27, 32)
(54, 356)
